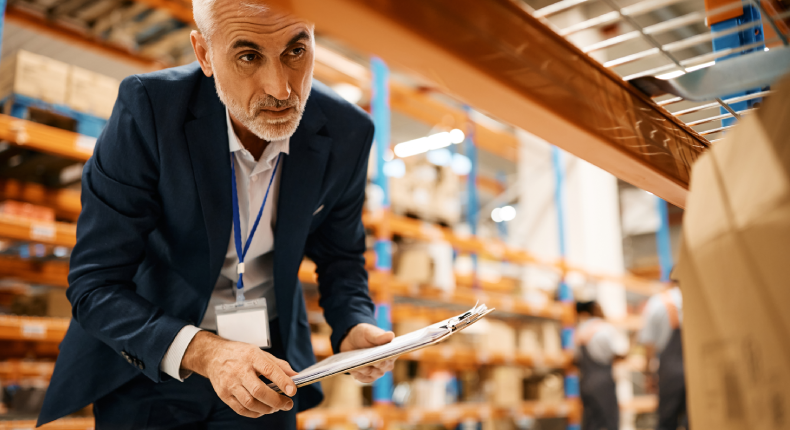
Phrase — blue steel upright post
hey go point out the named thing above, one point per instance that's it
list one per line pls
(380, 107)
(663, 243)
(749, 36)
(565, 294)
(3, 4)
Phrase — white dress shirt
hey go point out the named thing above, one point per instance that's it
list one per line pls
(252, 180)
(657, 329)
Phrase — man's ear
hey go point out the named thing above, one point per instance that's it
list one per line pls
(201, 48)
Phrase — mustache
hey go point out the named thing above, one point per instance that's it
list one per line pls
(270, 102)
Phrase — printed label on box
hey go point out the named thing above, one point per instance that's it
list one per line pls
(42, 231)
(34, 330)
(85, 143)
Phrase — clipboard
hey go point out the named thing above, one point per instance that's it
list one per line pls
(416, 340)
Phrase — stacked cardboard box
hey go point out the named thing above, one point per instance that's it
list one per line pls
(26, 211)
(734, 275)
(504, 385)
(427, 191)
(34, 76)
(91, 92)
(58, 83)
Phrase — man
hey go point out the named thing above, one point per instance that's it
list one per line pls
(178, 218)
(661, 336)
(599, 345)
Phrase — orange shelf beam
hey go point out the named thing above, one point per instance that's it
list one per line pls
(39, 329)
(53, 273)
(14, 370)
(61, 424)
(44, 138)
(65, 202)
(53, 233)
(449, 415)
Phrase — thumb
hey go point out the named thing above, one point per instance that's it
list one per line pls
(377, 336)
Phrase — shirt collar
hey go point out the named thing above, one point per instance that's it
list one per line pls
(269, 154)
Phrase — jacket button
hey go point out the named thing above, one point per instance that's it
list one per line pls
(140, 365)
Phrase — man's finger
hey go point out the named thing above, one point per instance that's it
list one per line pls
(385, 365)
(257, 389)
(365, 371)
(365, 379)
(376, 373)
(250, 403)
(270, 369)
(239, 409)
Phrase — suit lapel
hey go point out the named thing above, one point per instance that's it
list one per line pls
(300, 186)
(207, 138)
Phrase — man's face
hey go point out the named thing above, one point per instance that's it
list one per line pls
(262, 63)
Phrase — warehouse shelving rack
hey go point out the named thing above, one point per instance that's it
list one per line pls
(383, 285)
(50, 331)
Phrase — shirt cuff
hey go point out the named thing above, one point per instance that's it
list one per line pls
(171, 362)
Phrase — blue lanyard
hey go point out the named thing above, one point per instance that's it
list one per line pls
(237, 225)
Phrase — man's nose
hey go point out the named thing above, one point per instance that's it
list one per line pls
(275, 81)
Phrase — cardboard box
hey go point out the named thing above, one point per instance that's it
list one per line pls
(552, 388)
(499, 339)
(552, 345)
(58, 305)
(341, 392)
(734, 274)
(34, 76)
(92, 93)
(505, 385)
(529, 340)
(414, 264)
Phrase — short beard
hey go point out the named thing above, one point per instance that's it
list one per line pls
(268, 130)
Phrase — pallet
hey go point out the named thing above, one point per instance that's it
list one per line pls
(56, 115)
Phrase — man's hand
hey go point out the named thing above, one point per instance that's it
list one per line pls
(233, 369)
(367, 336)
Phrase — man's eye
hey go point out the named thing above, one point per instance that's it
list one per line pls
(248, 58)
(298, 51)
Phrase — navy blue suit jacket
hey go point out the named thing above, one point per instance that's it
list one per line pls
(156, 220)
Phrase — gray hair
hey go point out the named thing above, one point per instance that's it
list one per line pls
(203, 12)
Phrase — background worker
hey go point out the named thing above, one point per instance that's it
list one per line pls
(663, 315)
(599, 344)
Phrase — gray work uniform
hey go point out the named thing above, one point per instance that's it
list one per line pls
(671, 373)
(598, 344)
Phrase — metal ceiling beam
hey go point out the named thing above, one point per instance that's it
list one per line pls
(498, 58)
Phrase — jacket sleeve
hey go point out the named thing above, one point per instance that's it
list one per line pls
(120, 208)
(337, 247)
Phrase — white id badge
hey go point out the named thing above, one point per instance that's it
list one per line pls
(246, 322)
